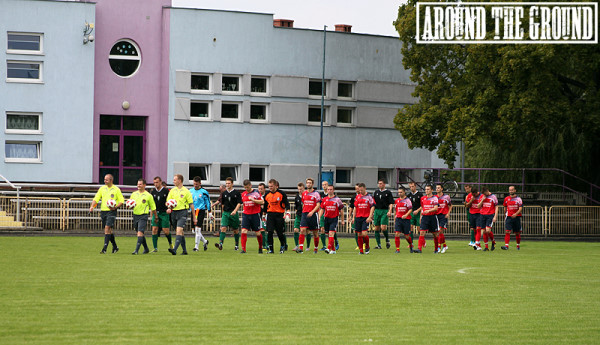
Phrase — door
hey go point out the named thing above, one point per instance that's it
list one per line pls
(122, 148)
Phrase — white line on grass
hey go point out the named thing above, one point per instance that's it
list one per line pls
(463, 270)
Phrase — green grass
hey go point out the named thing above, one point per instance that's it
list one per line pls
(59, 290)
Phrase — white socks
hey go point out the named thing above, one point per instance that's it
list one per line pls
(199, 237)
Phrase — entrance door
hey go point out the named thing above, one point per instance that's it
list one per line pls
(122, 148)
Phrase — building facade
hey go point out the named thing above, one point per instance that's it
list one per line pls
(213, 94)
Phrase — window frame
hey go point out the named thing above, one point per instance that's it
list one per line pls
(200, 91)
(325, 113)
(25, 51)
(229, 92)
(239, 112)
(264, 167)
(352, 96)
(345, 184)
(199, 165)
(388, 176)
(38, 144)
(23, 131)
(352, 117)
(236, 179)
(201, 119)
(267, 84)
(126, 57)
(266, 105)
(319, 81)
(39, 80)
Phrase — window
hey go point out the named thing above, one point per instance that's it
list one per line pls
(22, 151)
(200, 82)
(384, 174)
(124, 58)
(199, 110)
(314, 115)
(228, 171)
(24, 71)
(258, 85)
(344, 116)
(24, 123)
(231, 84)
(198, 170)
(258, 112)
(257, 174)
(345, 90)
(24, 43)
(314, 88)
(230, 111)
(342, 176)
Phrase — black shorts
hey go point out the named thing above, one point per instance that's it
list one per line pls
(179, 218)
(430, 223)
(275, 222)
(513, 224)
(360, 224)
(442, 221)
(312, 223)
(485, 220)
(474, 220)
(200, 215)
(402, 225)
(108, 218)
(331, 224)
(251, 221)
(140, 221)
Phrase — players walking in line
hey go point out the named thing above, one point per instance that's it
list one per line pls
(202, 206)
(178, 213)
(262, 190)
(429, 220)
(160, 220)
(311, 202)
(403, 207)
(514, 212)
(277, 208)
(443, 215)
(143, 204)
(331, 206)
(364, 207)
(471, 203)
(468, 195)
(112, 199)
(252, 201)
(488, 205)
(415, 198)
(231, 200)
(384, 204)
(298, 217)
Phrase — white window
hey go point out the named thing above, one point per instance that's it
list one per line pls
(343, 176)
(200, 83)
(230, 111)
(315, 87)
(23, 123)
(125, 58)
(345, 116)
(23, 151)
(199, 110)
(229, 171)
(258, 174)
(314, 115)
(200, 170)
(231, 84)
(259, 85)
(24, 71)
(25, 43)
(386, 175)
(258, 112)
(345, 90)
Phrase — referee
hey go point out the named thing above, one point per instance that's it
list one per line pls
(179, 213)
(276, 205)
(384, 203)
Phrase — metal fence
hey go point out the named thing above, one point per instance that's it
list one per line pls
(73, 214)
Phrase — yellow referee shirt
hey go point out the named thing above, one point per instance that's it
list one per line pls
(182, 196)
(144, 202)
(105, 194)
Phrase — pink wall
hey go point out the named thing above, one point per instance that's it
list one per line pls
(146, 23)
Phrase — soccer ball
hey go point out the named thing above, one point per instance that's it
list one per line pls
(172, 203)
(111, 203)
(130, 203)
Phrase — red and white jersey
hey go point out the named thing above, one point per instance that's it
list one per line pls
(512, 204)
(250, 207)
(402, 206)
(363, 204)
(428, 203)
(473, 209)
(310, 200)
(332, 206)
(445, 203)
(489, 204)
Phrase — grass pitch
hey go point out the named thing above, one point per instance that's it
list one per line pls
(59, 290)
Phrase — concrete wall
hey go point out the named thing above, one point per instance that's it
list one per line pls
(64, 97)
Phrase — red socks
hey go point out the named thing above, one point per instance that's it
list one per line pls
(301, 241)
(478, 235)
(259, 238)
(507, 238)
(491, 236)
(360, 243)
(435, 243)
(331, 244)
(442, 239)
(244, 240)
(518, 237)
(421, 241)
(366, 241)
(397, 243)
(316, 242)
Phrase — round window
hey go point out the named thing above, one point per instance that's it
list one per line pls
(124, 58)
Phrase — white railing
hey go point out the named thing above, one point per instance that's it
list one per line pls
(18, 188)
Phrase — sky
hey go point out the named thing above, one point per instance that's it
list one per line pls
(370, 17)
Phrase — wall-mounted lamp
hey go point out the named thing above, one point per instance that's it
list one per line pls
(87, 33)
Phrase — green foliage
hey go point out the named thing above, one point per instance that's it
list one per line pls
(59, 290)
(512, 105)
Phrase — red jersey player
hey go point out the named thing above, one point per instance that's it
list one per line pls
(471, 204)
(429, 209)
(311, 202)
(364, 207)
(443, 215)
(514, 212)
(252, 201)
(403, 207)
(489, 212)
(330, 209)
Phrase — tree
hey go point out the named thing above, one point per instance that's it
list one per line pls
(512, 105)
